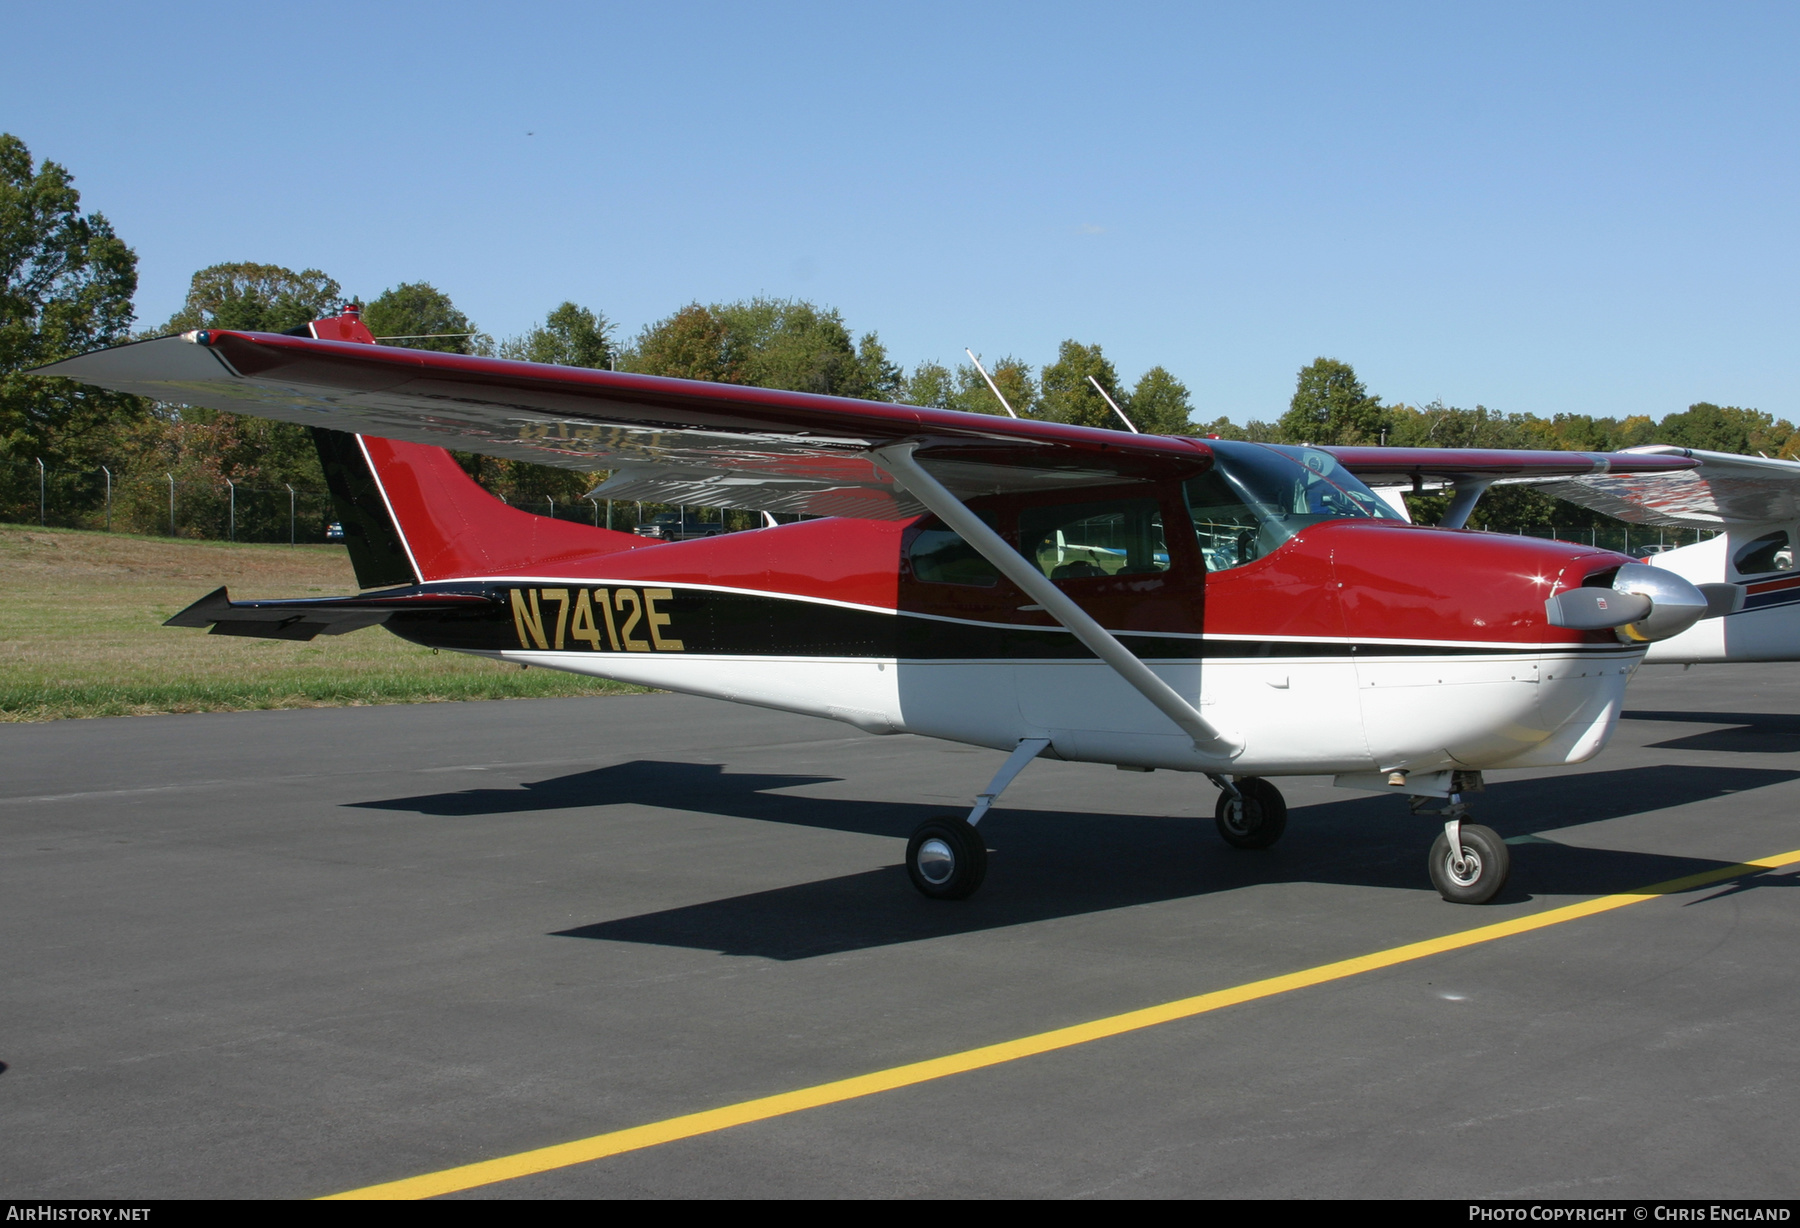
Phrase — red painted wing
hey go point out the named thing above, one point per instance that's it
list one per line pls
(666, 440)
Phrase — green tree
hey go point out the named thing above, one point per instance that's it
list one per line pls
(694, 343)
(792, 344)
(204, 447)
(767, 343)
(255, 298)
(1069, 397)
(1160, 404)
(570, 336)
(1725, 428)
(1631, 432)
(1223, 428)
(931, 384)
(422, 317)
(1014, 379)
(66, 283)
(1331, 406)
(1444, 426)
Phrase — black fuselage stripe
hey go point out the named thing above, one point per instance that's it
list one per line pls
(741, 625)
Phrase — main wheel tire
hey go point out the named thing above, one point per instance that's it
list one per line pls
(1478, 875)
(1254, 820)
(946, 859)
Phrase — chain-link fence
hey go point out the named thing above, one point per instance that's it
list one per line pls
(1633, 539)
(179, 505)
(109, 499)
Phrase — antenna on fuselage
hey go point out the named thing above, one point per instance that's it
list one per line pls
(1115, 406)
(990, 381)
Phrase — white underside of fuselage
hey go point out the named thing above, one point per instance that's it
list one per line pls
(1294, 715)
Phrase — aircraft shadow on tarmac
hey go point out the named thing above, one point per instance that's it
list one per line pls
(1752, 733)
(1050, 864)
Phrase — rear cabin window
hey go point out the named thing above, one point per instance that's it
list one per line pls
(939, 556)
(1079, 541)
(1773, 552)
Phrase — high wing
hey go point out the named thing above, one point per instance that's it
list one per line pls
(1725, 489)
(706, 444)
(666, 440)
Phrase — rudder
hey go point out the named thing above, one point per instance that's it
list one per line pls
(377, 551)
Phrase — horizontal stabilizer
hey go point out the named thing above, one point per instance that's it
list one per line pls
(302, 618)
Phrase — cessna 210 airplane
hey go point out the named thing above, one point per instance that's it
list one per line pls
(1230, 609)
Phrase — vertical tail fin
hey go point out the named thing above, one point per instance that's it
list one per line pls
(377, 550)
(412, 516)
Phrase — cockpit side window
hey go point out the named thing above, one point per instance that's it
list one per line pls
(1771, 552)
(1083, 541)
(1228, 529)
(1257, 496)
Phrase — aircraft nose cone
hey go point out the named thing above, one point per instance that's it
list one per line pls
(1675, 604)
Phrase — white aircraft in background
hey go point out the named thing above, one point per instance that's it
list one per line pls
(1747, 571)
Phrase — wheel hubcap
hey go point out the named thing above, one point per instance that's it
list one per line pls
(936, 861)
(1238, 818)
(1464, 870)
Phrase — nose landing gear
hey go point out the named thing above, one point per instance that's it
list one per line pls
(1468, 863)
(1475, 876)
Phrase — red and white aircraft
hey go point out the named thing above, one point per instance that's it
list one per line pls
(1236, 610)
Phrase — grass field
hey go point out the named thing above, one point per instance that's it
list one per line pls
(81, 635)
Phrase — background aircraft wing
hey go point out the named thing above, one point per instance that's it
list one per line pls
(666, 440)
(1421, 467)
(1725, 489)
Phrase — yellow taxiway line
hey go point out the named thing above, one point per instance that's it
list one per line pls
(636, 1138)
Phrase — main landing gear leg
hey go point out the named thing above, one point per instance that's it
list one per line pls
(946, 858)
(1251, 813)
(1469, 863)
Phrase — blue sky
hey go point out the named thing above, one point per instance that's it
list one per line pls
(1547, 208)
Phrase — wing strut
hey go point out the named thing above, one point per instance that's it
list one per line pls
(1468, 492)
(898, 460)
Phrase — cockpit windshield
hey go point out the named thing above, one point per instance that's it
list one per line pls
(1258, 495)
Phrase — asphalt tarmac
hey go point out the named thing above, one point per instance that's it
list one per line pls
(288, 954)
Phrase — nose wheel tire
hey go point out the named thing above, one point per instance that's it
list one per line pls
(1475, 877)
(1254, 819)
(946, 859)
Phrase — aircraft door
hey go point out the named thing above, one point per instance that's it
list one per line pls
(1118, 558)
